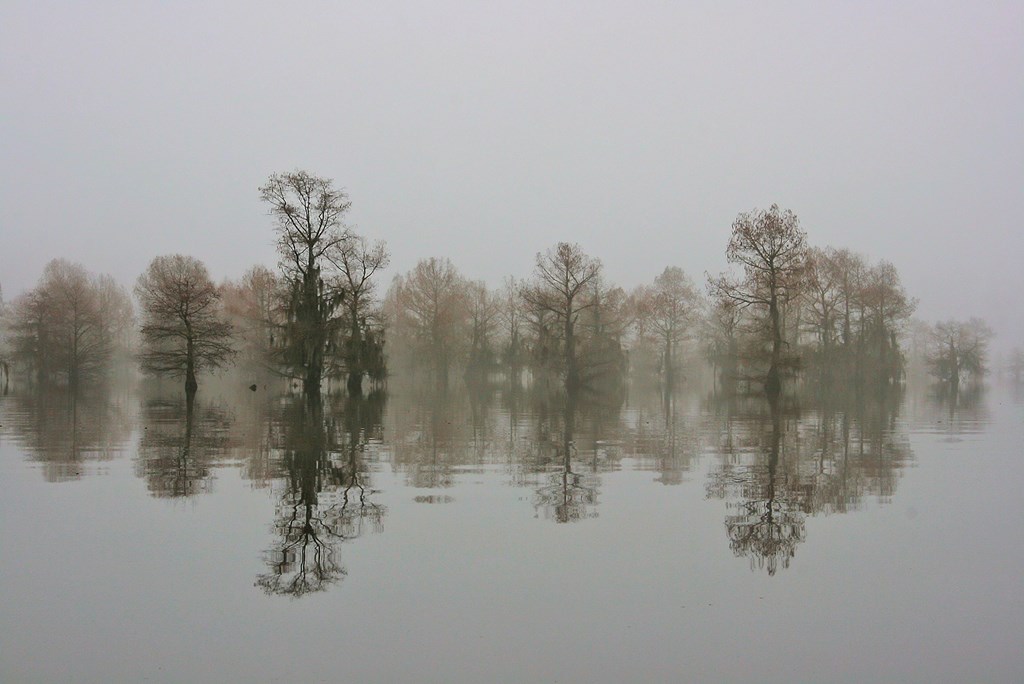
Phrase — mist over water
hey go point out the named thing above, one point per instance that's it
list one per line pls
(442, 533)
(526, 342)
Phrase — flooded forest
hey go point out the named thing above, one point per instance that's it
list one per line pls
(323, 456)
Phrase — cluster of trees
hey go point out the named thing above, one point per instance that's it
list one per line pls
(564, 324)
(70, 328)
(317, 317)
(789, 309)
(786, 311)
(793, 307)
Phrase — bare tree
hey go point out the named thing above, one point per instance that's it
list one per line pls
(959, 351)
(184, 329)
(771, 248)
(68, 326)
(886, 308)
(721, 337)
(510, 315)
(431, 312)
(357, 262)
(29, 334)
(600, 334)
(851, 268)
(254, 305)
(308, 211)
(560, 284)
(823, 281)
(484, 310)
(666, 312)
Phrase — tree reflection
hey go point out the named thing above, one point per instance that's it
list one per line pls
(181, 442)
(68, 431)
(661, 437)
(432, 438)
(770, 521)
(779, 466)
(326, 497)
(566, 493)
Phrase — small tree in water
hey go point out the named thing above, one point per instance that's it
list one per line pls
(184, 330)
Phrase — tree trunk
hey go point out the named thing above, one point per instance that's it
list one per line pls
(355, 346)
(572, 376)
(773, 384)
(311, 325)
(670, 365)
(311, 383)
(954, 369)
(191, 386)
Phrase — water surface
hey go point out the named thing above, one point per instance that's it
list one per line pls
(498, 535)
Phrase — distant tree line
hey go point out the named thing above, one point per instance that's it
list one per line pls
(786, 313)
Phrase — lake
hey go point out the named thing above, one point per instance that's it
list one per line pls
(491, 535)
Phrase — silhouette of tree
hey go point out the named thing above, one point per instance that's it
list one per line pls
(561, 280)
(721, 336)
(184, 328)
(601, 334)
(510, 317)
(357, 262)
(308, 212)
(824, 300)
(484, 309)
(771, 249)
(1016, 364)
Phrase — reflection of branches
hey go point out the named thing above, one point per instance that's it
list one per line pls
(325, 502)
(292, 570)
(67, 431)
(768, 529)
(660, 442)
(180, 445)
(431, 442)
(770, 523)
(569, 496)
(820, 463)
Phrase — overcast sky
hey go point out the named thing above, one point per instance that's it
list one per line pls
(489, 131)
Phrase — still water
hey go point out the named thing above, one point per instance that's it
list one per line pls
(498, 536)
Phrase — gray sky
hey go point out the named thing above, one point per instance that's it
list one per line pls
(488, 131)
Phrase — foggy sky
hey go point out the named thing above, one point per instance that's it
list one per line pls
(488, 131)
